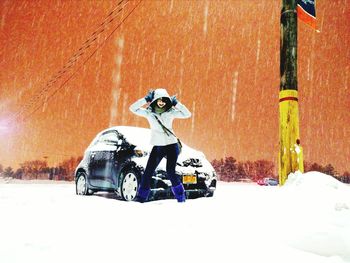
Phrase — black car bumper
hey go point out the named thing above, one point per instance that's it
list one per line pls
(160, 188)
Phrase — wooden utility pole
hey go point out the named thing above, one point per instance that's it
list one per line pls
(290, 154)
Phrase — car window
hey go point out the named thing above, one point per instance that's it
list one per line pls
(109, 137)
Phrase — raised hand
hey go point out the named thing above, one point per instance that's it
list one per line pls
(174, 100)
(150, 95)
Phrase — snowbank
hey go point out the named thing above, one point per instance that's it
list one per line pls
(241, 223)
(317, 208)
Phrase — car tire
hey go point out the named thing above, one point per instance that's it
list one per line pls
(130, 180)
(81, 185)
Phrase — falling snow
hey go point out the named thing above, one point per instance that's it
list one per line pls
(205, 25)
(71, 69)
(234, 95)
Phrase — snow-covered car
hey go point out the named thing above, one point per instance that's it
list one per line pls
(268, 181)
(116, 158)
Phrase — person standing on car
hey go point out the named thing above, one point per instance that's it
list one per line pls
(160, 113)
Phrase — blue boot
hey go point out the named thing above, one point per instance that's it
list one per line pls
(179, 193)
(142, 195)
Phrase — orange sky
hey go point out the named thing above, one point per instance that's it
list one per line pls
(220, 57)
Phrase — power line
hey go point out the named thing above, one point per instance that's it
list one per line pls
(49, 84)
(71, 62)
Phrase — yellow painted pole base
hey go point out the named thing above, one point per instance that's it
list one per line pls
(290, 152)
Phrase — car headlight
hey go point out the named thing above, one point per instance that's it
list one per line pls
(210, 176)
(207, 177)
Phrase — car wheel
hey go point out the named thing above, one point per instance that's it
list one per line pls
(129, 184)
(81, 186)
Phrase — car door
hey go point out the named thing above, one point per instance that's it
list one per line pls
(102, 161)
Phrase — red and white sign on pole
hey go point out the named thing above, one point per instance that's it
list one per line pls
(306, 10)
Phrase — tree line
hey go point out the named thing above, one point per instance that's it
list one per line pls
(231, 170)
(38, 169)
(228, 170)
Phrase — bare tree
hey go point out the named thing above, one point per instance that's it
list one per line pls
(8, 172)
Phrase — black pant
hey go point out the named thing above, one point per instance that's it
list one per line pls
(171, 151)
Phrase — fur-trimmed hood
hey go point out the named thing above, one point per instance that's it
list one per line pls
(161, 93)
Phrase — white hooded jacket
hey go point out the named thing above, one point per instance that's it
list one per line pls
(158, 136)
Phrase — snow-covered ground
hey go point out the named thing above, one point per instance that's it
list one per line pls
(307, 220)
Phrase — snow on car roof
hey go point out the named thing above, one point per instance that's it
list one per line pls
(141, 137)
(136, 135)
